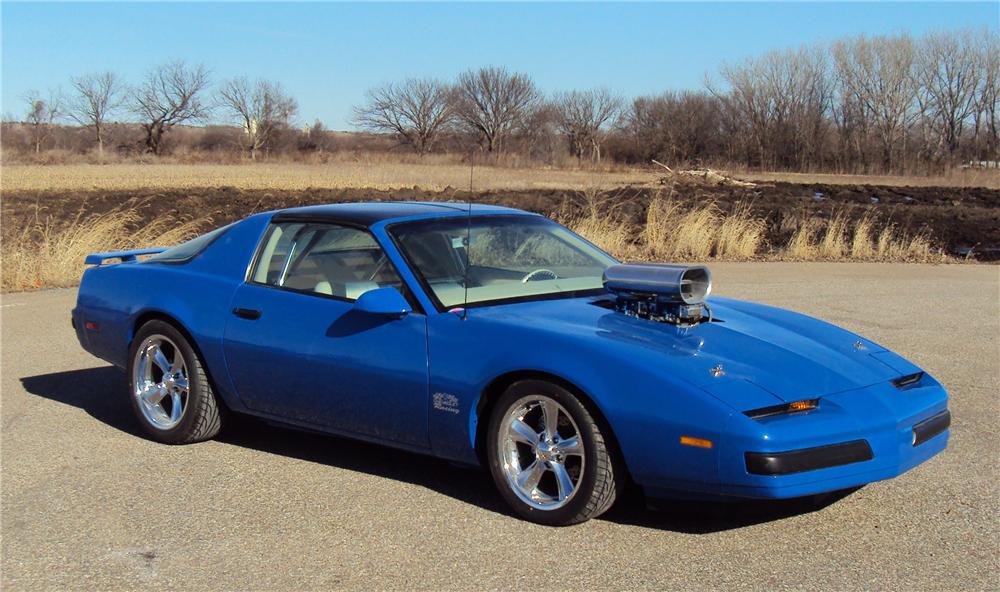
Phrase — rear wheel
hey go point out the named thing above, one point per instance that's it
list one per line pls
(548, 456)
(170, 392)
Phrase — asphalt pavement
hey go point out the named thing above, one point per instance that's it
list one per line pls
(89, 504)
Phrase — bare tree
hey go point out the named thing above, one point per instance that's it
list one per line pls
(811, 92)
(416, 111)
(988, 98)
(492, 102)
(778, 105)
(538, 135)
(261, 108)
(582, 115)
(171, 94)
(42, 115)
(642, 123)
(96, 98)
(674, 127)
(949, 75)
(877, 74)
(748, 108)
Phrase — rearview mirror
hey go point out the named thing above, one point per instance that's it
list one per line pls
(387, 302)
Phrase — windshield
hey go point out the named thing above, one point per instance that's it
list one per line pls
(509, 257)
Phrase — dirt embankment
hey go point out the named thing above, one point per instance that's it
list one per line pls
(957, 219)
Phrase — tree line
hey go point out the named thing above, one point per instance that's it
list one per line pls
(890, 103)
(169, 95)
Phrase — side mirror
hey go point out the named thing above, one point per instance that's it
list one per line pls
(386, 302)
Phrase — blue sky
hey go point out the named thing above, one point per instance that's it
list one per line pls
(327, 54)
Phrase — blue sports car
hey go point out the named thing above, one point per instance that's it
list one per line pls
(492, 336)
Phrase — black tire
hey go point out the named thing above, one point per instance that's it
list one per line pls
(598, 486)
(202, 415)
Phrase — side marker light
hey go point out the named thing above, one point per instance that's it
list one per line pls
(696, 442)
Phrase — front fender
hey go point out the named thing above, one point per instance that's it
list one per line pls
(648, 410)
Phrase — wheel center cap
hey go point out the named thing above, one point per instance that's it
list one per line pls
(544, 451)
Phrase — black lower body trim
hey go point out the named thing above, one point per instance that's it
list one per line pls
(929, 428)
(808, 459)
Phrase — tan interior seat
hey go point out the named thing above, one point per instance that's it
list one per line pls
(354, 290)
(351, 290)
(324, 287)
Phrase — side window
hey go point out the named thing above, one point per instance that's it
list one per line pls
(324, 259)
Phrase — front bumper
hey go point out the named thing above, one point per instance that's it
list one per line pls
(808, 459)
(852, 439)
(899, 429)
(931, 427)
(835, 455)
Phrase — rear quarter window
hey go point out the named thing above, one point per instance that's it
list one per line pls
(184, 252)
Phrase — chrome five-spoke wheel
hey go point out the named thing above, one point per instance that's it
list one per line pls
(160, 382)
(169, 387)
(541, 452)
(549, 456)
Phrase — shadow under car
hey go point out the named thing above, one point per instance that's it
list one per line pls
(101, 393)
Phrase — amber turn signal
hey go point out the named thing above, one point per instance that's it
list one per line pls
(802, 405)
(696, 442)
(793, 407)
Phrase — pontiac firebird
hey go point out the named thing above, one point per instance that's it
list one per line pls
(496, 337)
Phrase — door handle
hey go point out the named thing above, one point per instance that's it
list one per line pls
(247, 313)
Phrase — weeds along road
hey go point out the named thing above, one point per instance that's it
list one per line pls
(87, 503)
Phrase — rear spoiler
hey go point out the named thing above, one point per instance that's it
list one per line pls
(124, 256)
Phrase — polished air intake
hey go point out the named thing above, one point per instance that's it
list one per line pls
(679, 283)
(667, 293)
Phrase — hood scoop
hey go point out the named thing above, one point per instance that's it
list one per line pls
(662, 293)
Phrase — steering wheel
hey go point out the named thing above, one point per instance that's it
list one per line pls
(539, 274)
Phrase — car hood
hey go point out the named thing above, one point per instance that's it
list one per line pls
(750, 355)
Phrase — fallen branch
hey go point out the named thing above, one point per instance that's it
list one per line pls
(716, 178)
(669, 170)
(708, 175)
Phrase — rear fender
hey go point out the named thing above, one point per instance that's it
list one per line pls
(203, 320)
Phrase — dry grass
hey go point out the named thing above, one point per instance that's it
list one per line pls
(803, 245)
(610, 235)
(601, 223)
(835, 240)
(365, 173)
(672, 231)
(862, 247)
(741, 234)
(395, 171)
(957, 178)
(37, 252)
(895, 246)
(676, 232)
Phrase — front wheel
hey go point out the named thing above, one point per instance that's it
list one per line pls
(548, 456)
(170, 392)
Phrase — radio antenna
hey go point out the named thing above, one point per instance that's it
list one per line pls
(468, 237)
(472, 168)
